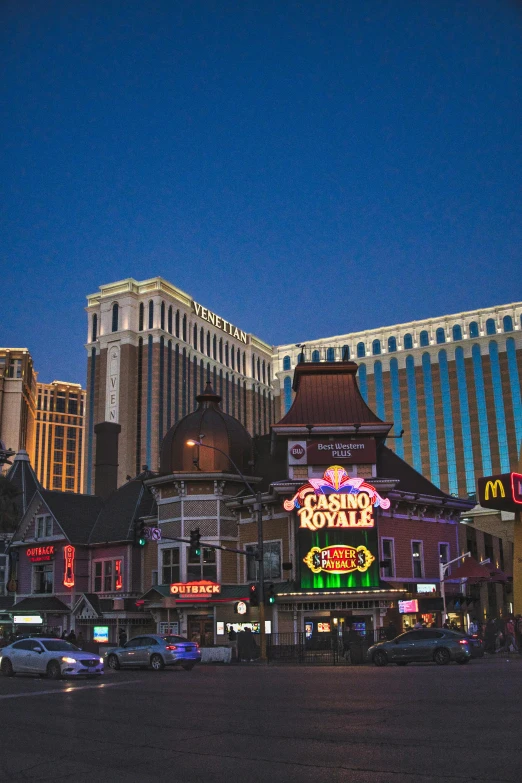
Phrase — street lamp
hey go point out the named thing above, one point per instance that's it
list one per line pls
(258, 508)
(443, 567)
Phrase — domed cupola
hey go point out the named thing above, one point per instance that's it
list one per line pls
(213, 427)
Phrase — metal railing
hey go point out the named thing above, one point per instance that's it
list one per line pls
(324, 650)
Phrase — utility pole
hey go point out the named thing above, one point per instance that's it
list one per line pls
(443, 567)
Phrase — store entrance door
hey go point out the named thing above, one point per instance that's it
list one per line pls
(200, 630)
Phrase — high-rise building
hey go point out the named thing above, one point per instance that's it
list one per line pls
(17, 399)
(58, 455)
(150, 350)
(451, 383)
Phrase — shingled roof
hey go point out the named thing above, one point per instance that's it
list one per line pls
(327, 395)
(23, 477)
(76, 514)
(122, 509)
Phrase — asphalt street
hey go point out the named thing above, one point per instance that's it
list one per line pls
(250, 723)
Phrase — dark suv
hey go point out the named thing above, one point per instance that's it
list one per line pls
(426, 644)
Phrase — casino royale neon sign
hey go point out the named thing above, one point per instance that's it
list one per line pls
(336, 501)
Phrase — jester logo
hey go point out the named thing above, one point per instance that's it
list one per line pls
(336, 481)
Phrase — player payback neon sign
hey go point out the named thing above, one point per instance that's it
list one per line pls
(336, 500)
(339, 559)
(68, 556)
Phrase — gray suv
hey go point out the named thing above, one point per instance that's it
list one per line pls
(426, 644)
(156, 651)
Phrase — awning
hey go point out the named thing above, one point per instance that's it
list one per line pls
(51, 605)
(475, 572)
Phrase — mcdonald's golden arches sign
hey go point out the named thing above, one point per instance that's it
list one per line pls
(503, 492)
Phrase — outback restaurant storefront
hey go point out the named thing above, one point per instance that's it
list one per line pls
(203, 611)
(339, 587)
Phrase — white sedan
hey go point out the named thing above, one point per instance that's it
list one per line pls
(55, 658)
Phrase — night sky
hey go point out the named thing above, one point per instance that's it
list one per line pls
(303, 169)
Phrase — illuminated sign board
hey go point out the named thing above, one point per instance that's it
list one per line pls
(408, 607)
(337, 534)
(100, 633)
(27, 619)
(254, 627)
(240, 607)
(427, 588)
(323, 628)
(339, 559)
(503, 492)
(40, 554)
(219, 323)
(68, 556)
(347, 451)
(201, 588)
(336, 500)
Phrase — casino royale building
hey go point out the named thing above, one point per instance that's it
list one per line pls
(350, 529)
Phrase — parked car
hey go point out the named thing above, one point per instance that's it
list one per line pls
(476, 645)
(156, 651)
(55, 658)
(427, 644)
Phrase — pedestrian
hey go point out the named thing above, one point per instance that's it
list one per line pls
(390, 631)
(232, 635)
(490, 636)
(518, 631)
(122, 637)
(445, 625)
(509, 644)
(64, 634)
(473, 627)
(417, 625)
(241, 647)
(250, 645)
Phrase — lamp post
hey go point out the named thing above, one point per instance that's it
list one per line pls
(258, 508)
(443, 567)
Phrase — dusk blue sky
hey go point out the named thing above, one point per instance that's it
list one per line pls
(303, 169)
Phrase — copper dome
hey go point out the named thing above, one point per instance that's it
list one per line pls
(215, 428)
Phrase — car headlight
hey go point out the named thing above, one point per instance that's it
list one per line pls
(66, 659)
(101, 660)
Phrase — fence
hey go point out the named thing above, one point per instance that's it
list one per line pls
(324, 650)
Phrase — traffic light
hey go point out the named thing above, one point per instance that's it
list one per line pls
(195, 545)
(271, 594)
(254, 599)
(140, 533)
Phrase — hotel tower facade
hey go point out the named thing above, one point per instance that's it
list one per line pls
(451, 383)
(150, 349)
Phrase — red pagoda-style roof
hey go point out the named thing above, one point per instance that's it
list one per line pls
(327, 398)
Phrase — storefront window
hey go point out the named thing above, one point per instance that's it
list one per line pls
(202, 566)
(170, 566)
(43, 578)
(271, 561)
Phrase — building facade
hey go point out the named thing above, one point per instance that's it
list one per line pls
(453, 384)
(151, 349)
(58, 452)
(17, 399)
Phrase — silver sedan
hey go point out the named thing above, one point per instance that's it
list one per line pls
(156, 651)
(55, 658)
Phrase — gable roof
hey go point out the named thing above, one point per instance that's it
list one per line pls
(23, 477)
(76, 514)
(118, 515)
(327, 395)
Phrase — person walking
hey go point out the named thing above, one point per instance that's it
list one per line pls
(122, 637)
(509, 643)
(390, 631)
(72, 637)
(473, 627)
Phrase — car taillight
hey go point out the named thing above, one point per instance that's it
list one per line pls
(463, 641)
(171, 647)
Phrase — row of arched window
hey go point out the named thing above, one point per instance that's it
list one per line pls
(407, 341)
(203, 341)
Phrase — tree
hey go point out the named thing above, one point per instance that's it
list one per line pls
(8, 507)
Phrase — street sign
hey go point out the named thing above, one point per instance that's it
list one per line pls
(152, 533)
(503, 492)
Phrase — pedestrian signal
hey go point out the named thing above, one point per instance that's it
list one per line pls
(254, 599)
